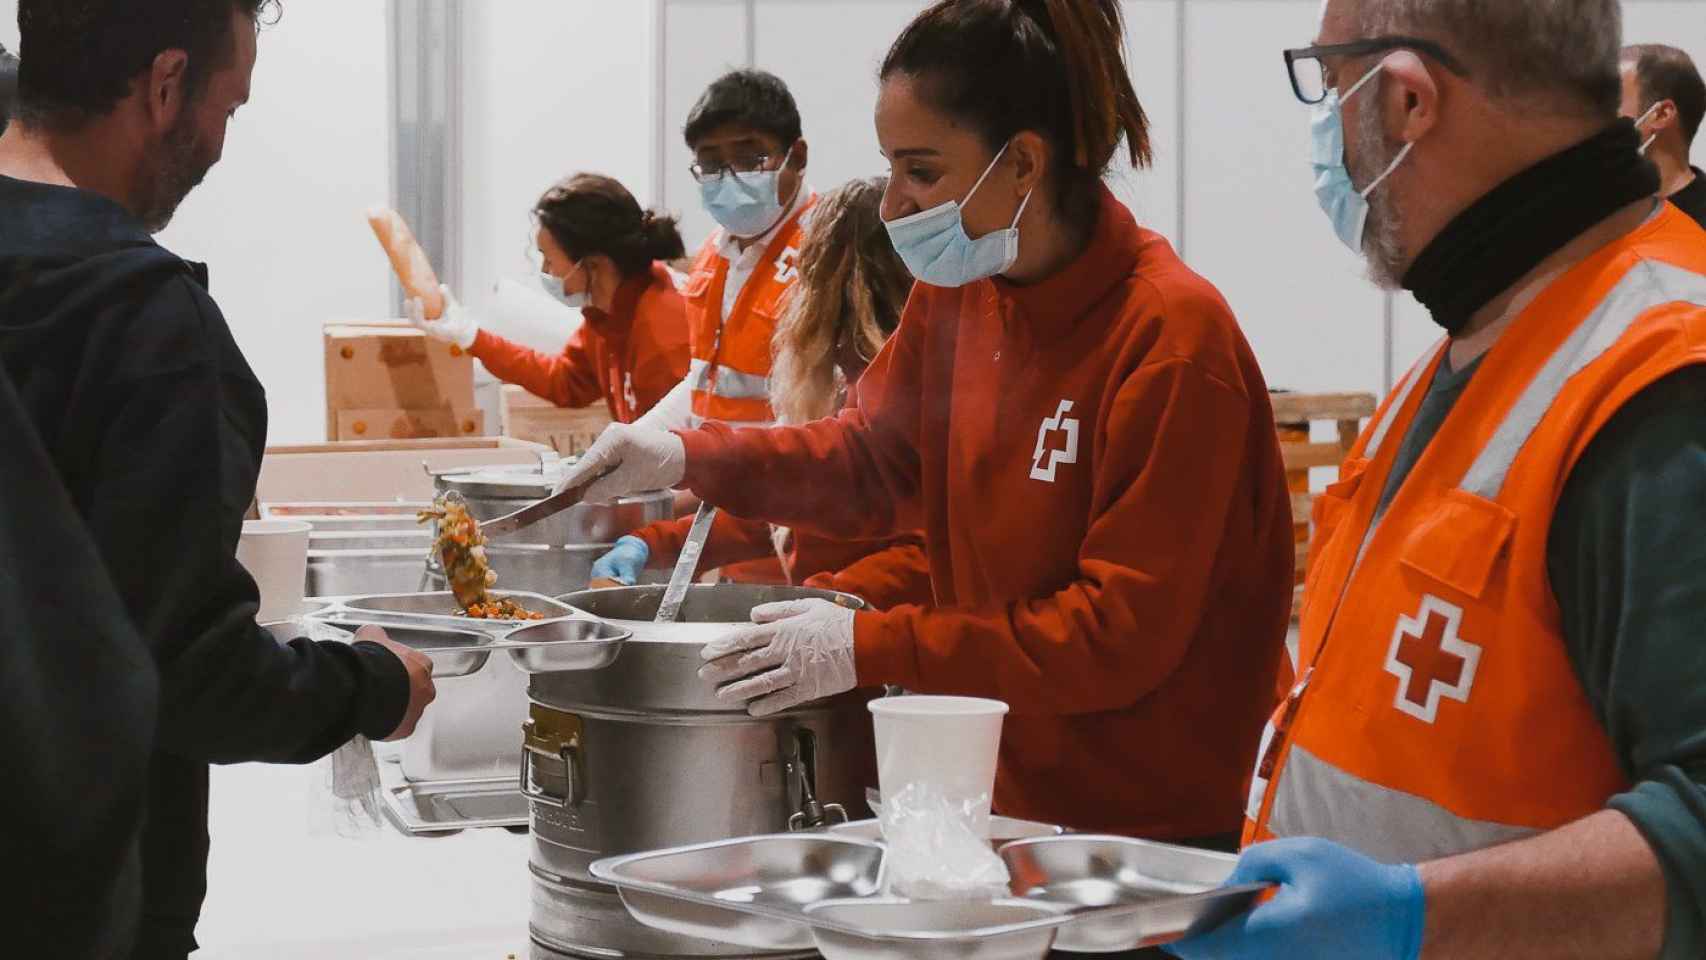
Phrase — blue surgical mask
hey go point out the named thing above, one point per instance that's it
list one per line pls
(1647, 143)
(554, 287)
(935, 248)
(746, 204)
(1343, 203)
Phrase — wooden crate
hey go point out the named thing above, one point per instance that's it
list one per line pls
(568, 431)
(381, 470)
(1295, 413)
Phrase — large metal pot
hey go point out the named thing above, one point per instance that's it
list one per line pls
(556, 554)
(641, 755)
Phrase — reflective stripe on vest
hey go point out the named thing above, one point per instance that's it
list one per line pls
(727, 382)
(1316, 798)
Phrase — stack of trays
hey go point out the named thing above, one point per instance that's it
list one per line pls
(1078, 893)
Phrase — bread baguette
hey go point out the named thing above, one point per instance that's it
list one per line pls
(407, 258)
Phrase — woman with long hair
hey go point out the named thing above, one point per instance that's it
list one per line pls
(846, 303)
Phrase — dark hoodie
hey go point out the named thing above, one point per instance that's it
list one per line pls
(156, 426)
(78, 694)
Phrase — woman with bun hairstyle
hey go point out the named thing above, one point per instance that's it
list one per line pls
(1074, 419)
(603, 254)
(837, 317)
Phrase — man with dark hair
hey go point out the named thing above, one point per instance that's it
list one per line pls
(750, 159)
(1663, 93)
(151, 416)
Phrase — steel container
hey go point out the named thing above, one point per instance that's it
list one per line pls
(556, 554)
(641, 755)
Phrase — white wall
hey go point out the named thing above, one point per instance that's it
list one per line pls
(278, 221)
(550, 89)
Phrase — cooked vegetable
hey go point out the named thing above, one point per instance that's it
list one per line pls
(461, 550)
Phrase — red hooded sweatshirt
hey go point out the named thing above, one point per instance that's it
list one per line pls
(629, 358)
(1094, 462)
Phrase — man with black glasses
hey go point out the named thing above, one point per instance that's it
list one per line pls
(1497, 743)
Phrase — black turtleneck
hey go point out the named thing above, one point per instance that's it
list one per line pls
(1521, 222)
(1692, 198)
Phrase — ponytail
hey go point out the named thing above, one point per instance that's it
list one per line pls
(1055, 67)
(590, 214)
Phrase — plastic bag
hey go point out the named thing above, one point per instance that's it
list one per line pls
(343, 789)
(936, 851)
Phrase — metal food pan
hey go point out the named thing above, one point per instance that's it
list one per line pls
(896, 929)
(553, 646)
(750, 891)
(1002, 830)
(438, 608)
(1125, 894)
(454, 653)
(447, 806)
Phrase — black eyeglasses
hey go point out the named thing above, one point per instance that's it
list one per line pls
(1310, 78)
(737, 165)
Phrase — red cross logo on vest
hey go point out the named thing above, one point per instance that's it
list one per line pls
(1430, 660)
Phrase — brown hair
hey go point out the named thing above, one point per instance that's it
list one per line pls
(1056, 67)
(591, 214)
(851, 290)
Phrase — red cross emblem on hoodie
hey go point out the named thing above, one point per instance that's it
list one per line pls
(1430, 660)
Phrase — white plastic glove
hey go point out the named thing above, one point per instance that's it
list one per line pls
(800, 650)
(456, 326)
(640, 460)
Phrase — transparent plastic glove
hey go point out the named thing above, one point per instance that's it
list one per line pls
(935, 849)
(1333, 904)
(457, 326)
(344, 796)
(624, 561)
(798, 651)
(639, 460)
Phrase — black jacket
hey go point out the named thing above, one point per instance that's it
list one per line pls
(78, 694)
(156, 426)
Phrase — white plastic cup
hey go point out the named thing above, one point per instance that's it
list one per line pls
(275, 552)
(948, 743)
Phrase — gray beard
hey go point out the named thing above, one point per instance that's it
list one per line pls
(1381, 245)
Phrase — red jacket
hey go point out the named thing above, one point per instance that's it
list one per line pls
(629, 358)
(1094, 462)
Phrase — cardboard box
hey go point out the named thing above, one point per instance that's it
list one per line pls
(524, 416)
(408, 424)
(383, 470)
(393, 366)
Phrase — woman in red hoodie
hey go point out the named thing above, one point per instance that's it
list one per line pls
(1074, 419)
(845, 305)
(604, 255)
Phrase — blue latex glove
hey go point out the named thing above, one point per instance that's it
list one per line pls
(1333, 904)
(624, 561)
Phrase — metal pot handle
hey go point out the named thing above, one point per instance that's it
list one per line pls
(569, 757)
(812, 815)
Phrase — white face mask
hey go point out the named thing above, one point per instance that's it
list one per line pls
(554, 287)
(1643, 119)
(1345, 205)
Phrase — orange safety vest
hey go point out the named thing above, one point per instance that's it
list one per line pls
(730, 366)
(1438, 711)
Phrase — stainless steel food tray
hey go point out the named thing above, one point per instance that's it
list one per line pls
(542, 646)
(1105, 894)
(438, 608)
(446, 806)
(1125, 894)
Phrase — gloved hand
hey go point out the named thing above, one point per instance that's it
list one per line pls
(800, 650)
(639, 460)
(624, 561)
(1333, 904)
(456, 326)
